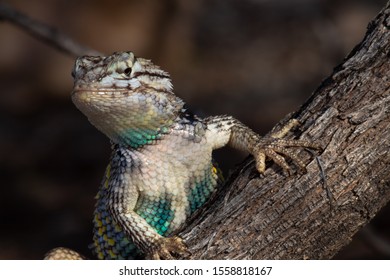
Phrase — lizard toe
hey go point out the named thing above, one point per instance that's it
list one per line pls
(168, 247)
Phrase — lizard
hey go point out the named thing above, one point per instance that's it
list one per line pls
(161, 168)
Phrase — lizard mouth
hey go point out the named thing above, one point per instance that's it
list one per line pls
(87, 92)
(98, 90)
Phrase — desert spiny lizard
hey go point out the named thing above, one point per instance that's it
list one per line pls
(161, 169)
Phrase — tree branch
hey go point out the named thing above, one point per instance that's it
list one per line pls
(278, 217)
(44, 32)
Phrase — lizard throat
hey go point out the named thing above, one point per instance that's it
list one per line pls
(132, 119)
(136, 138)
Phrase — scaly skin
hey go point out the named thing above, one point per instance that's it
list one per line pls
(161, 168)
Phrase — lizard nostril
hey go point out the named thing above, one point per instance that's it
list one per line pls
(127, 71)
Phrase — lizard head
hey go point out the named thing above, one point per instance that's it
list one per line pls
(127, 98)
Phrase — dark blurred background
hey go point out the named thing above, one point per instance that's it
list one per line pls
(254, 59)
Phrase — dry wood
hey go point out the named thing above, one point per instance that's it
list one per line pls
(278, 217)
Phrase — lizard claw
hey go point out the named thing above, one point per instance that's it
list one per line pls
(277, 149)
(166, 246)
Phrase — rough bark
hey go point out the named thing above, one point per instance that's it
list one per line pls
(279, 217)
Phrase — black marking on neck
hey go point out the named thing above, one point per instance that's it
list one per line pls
(188, 117)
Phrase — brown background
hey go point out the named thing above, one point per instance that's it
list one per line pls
(254, 59)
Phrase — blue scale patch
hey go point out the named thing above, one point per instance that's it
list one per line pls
(202, 190)
(136, 138)
(158, 214)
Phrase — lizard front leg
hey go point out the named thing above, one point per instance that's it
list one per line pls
(123, 198)
(226, 130)
(145, 237)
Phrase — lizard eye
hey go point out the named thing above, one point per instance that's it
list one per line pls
(73, 74)
(127, 71)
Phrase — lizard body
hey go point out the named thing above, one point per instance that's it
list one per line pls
(161, 169)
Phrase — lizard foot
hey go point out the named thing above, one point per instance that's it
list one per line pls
(166, 246)
(277, 149)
